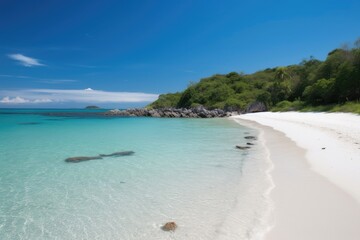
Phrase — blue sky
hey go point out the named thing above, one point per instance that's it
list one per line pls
(126, 52)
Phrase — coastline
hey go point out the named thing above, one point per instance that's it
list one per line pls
(183, 170)
(250, 215)
(307, 204)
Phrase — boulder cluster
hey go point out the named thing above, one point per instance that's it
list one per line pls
(256, 107)
(198, 112)
(248, 144)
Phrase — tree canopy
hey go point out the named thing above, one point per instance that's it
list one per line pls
(335, 80)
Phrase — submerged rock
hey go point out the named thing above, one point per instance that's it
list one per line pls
(169, 226)
(242, 147)
(250, 137)
(101, 156)
(115, 154)
(81, 159)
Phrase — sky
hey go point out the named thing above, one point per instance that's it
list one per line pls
(123, 53)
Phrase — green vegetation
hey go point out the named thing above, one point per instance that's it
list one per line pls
(330, 85)
(288, 106)
(352, 107)
(166, 101)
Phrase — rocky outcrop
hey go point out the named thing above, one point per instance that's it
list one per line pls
(198, 112)
(169, 226)
(256, 107)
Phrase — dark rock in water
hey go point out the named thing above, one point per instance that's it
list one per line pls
(249, 143)
(81, 159)
(169, 226)
(117, 154)
(242, 147)
(250, 137)
(256, 107)
(30, 123)
(101, 156)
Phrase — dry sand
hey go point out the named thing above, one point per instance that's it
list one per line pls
(317, 191)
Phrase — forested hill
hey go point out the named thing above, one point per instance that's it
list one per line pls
(311, 82)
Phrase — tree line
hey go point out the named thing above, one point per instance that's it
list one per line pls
(311, 82)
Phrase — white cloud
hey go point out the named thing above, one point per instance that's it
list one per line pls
(43, 100)
(80, 96)
(88, 89)
(24, 60)
(19, 100)
(13, 100)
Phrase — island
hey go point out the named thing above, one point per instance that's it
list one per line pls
(92, 107)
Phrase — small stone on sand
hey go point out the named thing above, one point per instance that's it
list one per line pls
(169, 226)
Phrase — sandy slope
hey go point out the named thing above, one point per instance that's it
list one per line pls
(310, 151)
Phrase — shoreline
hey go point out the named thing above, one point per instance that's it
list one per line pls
(250, 216)
(307, 205)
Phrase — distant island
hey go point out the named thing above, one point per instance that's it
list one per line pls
(314, 85)
(92, 107)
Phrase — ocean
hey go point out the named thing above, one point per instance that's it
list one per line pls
(182, 170)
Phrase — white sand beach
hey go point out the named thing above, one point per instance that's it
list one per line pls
(316, 173)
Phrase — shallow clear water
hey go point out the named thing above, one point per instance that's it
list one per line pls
(183, 170)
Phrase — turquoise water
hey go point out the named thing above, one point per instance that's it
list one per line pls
(183, 170)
